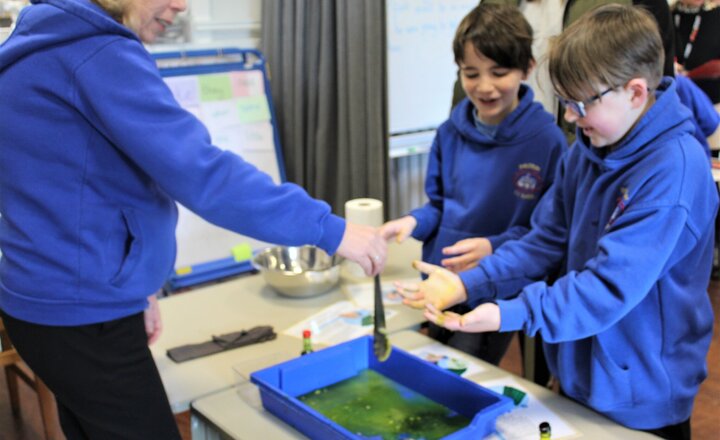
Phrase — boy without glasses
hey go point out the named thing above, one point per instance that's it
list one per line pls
(629, 224)
(490, 162)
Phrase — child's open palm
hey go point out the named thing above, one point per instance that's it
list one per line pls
(466, 254)
(442, 288)
(483, 318)
(400, 228)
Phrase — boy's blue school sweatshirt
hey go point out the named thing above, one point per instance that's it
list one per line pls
(480, 186)
(628, 326)
(94, 149)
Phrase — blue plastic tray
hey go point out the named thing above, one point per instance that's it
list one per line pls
(281, 384)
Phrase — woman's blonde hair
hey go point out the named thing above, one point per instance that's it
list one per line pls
(115, 8)
(606, 47)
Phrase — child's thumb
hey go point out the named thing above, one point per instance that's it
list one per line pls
(402, 235)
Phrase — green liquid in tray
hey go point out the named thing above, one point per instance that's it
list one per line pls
(372, 405)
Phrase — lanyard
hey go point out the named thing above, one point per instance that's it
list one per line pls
(692, 37)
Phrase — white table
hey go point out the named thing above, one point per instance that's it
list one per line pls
(716, 174)
(243, 303)
(237, 413)
(715, 171)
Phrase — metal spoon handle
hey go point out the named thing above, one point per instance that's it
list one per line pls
(379, 308)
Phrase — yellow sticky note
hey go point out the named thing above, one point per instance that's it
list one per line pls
(242, 252)
(183, 270)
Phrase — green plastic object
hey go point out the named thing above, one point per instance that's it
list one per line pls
(242, 252)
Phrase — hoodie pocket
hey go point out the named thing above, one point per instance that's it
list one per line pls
(131, 249)
(610, 385)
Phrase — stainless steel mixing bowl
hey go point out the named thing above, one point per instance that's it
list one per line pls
(298, 271)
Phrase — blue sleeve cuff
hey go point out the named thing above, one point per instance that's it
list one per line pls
(513, 314)
(423, 228)
(333, 231)
(513, 233)
(474, 281)
(496, 241)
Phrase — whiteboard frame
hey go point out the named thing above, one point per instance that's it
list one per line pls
(213, 61)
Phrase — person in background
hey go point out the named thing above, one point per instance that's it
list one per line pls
(705, 118)
(629, 222)
(490, 162)
(94, 153)
(698, 45)
(707, 132)
(698, 70)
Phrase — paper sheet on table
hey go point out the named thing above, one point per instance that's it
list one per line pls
(522, 423)
(337, 323)
(444, 357)
(363, 294)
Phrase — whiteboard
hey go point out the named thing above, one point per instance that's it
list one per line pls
(233, 103)
(421, 66)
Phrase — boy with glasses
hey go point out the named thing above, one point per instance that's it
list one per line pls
(629, 222)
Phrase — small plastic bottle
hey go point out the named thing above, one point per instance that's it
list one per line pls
(545, 430)
(307, 343)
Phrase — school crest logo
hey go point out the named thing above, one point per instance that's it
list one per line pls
(622, 202)
(528, 181)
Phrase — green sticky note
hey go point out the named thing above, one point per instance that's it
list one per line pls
(253, 109)
(242, 252)
(366, 320)
(515, 394)
(215, 88)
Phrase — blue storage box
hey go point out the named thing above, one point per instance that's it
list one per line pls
(282, 384)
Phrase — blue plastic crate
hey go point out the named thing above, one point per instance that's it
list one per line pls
(282, 384)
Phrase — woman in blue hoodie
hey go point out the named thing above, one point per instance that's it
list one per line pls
(490, 162)
(94, 152)
(629, 223)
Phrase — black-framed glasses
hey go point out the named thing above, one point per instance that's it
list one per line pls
(578, 107)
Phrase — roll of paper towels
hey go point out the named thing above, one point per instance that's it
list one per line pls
(368, 212)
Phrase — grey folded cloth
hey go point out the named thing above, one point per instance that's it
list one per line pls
(221, 343)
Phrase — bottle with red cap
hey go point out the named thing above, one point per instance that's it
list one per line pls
(307, 343)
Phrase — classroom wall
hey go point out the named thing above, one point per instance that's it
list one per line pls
(206, 23)
(214, 23)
